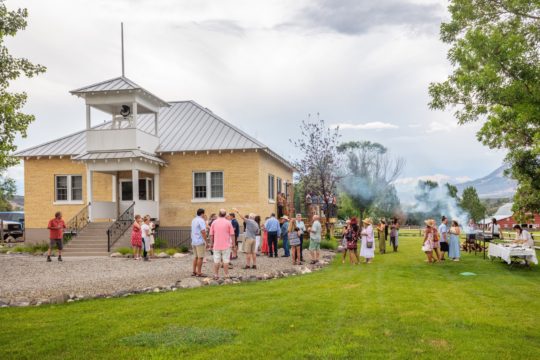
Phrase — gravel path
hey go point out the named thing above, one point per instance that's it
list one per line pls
(25, 278)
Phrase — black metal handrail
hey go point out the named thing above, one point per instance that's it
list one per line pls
(79, 221)
(119, 227)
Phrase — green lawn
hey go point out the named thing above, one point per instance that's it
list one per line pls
(397, 307)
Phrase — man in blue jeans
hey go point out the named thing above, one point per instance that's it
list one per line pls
(272, 227)
(285, 235)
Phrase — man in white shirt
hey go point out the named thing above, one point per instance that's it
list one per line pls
(198, 242)
(443, 235)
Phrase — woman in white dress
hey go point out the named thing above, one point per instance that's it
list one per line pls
(367, 250)
(523, 237)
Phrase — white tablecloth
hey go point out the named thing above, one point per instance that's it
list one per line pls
(506, 252)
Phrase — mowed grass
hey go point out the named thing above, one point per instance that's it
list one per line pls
(399, 307)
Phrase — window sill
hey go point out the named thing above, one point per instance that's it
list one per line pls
(270, 201)
(219, 200)
(68, 202)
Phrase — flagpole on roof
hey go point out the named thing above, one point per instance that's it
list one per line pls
(122, 41)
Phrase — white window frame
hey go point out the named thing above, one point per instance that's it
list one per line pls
(120, 189)
(208, 197)
(279, 185)
(147, 182)
(69, 200)
(271, 188)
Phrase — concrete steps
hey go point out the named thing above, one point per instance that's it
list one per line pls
(91, 241)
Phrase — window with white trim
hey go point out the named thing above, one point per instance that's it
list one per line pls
(67, 188)
(146, 189)
(279, 186)
(271, 187)
(208, 185)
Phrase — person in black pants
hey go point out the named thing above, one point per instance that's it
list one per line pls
(273, 227)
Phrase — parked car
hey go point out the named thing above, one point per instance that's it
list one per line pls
(16, 216)
(11, 231)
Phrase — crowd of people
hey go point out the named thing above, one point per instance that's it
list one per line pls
(364, 233)
(219, 234)
(444, 239)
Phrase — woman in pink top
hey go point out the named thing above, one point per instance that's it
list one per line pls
(136, 237)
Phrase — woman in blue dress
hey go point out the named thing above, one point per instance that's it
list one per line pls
(453, 251)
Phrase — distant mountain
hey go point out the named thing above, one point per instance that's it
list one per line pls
(492, 186)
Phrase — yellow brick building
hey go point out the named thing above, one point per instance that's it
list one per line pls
(166, 159)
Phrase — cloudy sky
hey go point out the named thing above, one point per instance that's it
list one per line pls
(263, 66)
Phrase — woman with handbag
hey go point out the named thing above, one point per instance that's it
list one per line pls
(431, 241)
(367, 249)
(352, 241)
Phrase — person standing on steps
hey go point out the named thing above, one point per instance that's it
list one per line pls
(56, 228)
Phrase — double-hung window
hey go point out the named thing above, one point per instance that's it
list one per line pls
(68, 188)
(146, 189)
(279, 186)
(208, 186)
(271, 188)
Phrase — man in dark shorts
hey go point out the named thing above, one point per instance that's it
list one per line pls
(443, 235)
(236, 225)
(56, 234)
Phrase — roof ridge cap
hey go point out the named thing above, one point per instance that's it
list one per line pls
(225, 122)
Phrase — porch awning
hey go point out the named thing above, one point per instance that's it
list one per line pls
(119, 155)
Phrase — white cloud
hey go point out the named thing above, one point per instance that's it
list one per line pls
(374, 125)
(437, 126)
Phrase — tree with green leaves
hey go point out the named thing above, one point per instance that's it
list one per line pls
(470, 202)
(13, 121)
(452, 191)
(495, 52)
(7, 191)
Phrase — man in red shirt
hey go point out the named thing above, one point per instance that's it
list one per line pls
(222, 235)
(56, 230)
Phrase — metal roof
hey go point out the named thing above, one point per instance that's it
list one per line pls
(120, 83)
(117, 155)
(184, 126)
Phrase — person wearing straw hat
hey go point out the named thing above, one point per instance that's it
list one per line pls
(367, 249)
(431, 240)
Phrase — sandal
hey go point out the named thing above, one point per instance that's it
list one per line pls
(246, 267)
(216, 278)
(200, 275)
(193, 274)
